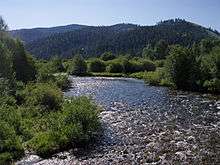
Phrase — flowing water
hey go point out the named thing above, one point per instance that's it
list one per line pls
(145, 125)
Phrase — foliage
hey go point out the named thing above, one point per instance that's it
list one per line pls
(114, 67)
(79, 66)
(44, 144)
(57, 65)
(45, 72)
(84, 114)
(212, 85)
(23, 65)
(138, 75)
(106, 56)
(148, 52)
(96, 65)
(182, 68)
(158, 77)
(161, 49)
(10, 144)
(47, 96)
(33, 115)
(3, 25)
(62, 81)
(159, 63)
(126, 65)
(130, 39)
(210, 70)
(153, 78)
(76, 123)
(5, 62)
(148, 65)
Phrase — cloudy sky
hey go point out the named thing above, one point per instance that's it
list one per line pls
(46, 13)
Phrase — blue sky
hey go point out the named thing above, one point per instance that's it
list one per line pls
(46, 13)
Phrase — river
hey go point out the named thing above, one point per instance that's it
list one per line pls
(145, 125)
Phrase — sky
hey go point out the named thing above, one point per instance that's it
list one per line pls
(47, 13)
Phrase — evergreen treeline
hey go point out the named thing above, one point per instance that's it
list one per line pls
(119, 39)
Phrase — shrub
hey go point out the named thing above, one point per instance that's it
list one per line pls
(148, 65)
(81, 114)
(136, 66)
(62, 81)
(107, 56)
(75, 124)
(159, 63)
(212, 85)
(138, 75)
(127, 65)
(7, 101)
(47, 96)
(6, 158)
(157, 77)
(114, 67)
(10, 144)
(45, 72)
(153, 78)
(96, 65)
(79, 66)
(10, 115)
(57, 65)
(44, 144)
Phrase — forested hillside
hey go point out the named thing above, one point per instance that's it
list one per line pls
(119, 39)
(29, 35)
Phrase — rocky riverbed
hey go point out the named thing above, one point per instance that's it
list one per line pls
(145, 125)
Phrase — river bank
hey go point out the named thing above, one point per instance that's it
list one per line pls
(145, 124)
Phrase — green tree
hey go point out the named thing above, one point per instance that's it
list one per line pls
(161, 49)
(206, 45)
(210, 68)
(23, 65)
(79, 66)
(3, 25)
(182, 68)
(5, 62)
(148, 52)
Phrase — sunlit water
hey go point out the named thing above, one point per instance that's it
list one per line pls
(144, 124)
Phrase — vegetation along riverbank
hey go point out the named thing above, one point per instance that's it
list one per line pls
(195, 68)
(35, 116)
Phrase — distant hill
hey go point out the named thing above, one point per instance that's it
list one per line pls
(120, 39)
(30, 35)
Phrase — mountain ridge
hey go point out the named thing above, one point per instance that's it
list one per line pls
(119, 38)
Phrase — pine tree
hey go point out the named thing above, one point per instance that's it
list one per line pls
(23, 65)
